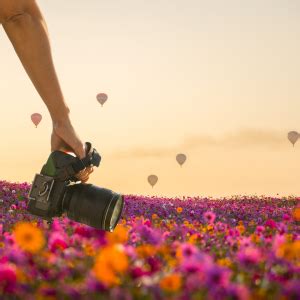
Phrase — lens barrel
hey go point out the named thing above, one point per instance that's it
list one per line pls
(94, 206)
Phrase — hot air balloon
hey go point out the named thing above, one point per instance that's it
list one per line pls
(152, 179)
(181, 158)
(36, 119)
(101, 97)
(293, 137)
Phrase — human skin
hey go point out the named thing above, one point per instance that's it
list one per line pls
(26, 28)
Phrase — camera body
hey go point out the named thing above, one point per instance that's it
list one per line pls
(54, 191)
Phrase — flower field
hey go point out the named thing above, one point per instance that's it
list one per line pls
(197, 248)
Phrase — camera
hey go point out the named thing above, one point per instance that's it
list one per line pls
(54, 192)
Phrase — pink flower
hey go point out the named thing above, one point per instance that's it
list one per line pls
(165, 235)
(209, 216)
(260, 229)
(188, 250)
(57, 241)
(278, 241)
(245, 241)
(134, 237)
(249, 255)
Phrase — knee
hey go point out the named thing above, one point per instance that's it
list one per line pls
(14, 10)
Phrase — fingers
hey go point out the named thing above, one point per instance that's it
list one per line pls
(83, 175)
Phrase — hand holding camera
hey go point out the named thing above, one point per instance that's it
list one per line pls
(54, 191)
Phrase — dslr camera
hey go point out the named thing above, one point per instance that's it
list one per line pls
(54, 192)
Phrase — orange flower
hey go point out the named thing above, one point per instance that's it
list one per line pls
(21, 276)
(145, 250)
(289, 251)
(154, 216)
(119, 235)
(29, 237)
(296, 214)
(224, 262)
(210, 227)
(255, 238)
(163, 250)
(179, 210)
(252, 223)
(240, 228)
(171, 283)
(106, 274)
(172, 262)
(110, 262)
(89, 250)
(193, 238)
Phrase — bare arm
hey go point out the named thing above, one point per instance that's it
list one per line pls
(27, 31)
(26, 28)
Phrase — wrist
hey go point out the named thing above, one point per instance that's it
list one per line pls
(61, 116)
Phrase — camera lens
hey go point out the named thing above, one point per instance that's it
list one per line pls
(94, 206)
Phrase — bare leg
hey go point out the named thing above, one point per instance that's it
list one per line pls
(26, 28)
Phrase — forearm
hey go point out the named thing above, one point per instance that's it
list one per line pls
(29, 37)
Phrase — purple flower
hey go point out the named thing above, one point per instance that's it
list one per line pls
(291, 289)
(94, 285)
(218, 276)
(194, 281)
(149, 235)
(238, 292)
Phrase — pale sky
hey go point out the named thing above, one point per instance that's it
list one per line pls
(216, 80)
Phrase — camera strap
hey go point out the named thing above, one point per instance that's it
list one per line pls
(92, 158)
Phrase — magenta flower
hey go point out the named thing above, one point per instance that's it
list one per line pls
(260, 229)
(270, 223)
(137, 272)
(8, 277)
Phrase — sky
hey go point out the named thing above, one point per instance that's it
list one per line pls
(216, 80)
